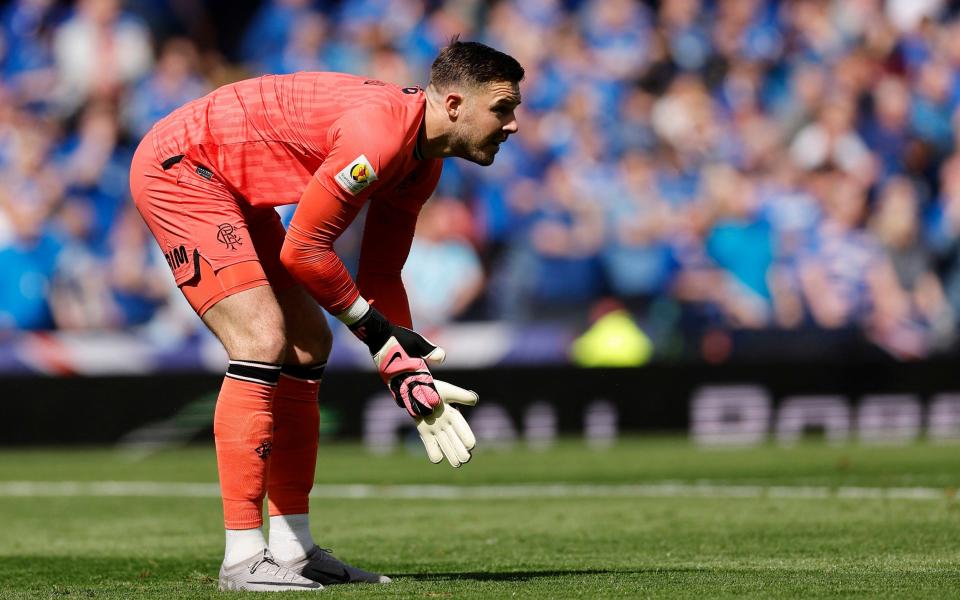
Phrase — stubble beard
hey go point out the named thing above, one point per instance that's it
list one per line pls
(476, 153)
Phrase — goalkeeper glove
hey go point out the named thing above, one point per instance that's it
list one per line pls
(399, 354)
(445, 433)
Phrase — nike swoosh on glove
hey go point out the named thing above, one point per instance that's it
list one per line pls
(408, 378)
(400, 355)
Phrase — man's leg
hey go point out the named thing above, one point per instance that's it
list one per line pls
(249, 323)
(250, 326)
(223, 280)
(296, 417)
(296, 414)
(296, 424)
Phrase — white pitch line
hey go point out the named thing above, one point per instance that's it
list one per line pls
(667, 489)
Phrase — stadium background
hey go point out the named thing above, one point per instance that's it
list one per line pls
(735, 221)
(739, 218)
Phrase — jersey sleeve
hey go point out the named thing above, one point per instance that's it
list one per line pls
(387, 237)
(363, 151)
(362, 155)
(362, 162)
(413, 191)
(308, 253)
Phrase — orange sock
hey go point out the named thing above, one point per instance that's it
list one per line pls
(243, 431)
(296, 419)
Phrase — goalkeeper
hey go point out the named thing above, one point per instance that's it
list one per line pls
(206, 180)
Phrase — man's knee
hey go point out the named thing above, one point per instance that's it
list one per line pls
(318, 343)
(268, 345)
(250, 325)
(309, 346)
(260, 337)
(308, 336)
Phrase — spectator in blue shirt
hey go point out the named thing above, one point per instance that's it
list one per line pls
(887, 129)
(93, 166)
(174, 82)
(29, 258)
(932, 107)
(636, 255)
(444, 264)
(26, 60)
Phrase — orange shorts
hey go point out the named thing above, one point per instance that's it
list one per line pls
(215, 244)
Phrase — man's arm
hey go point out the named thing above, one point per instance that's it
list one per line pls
(308, 255)
(359, 159)
(398, 352)
(387, 237)
(308, 249)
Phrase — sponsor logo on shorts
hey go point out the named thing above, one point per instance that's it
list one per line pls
(227, 235)
(204, 172)
(356, 176)
(176, 257)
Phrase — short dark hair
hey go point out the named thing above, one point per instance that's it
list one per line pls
(473, 63)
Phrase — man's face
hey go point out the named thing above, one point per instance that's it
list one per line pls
(486, 120)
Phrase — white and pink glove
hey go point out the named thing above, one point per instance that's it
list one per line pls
(445, 433)
(401, 357)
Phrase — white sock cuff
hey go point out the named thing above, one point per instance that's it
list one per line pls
(293, 523)
(241, 544)
(290, 536)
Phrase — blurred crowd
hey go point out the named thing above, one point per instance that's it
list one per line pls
(725, 170)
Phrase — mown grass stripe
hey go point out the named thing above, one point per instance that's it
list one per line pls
(667, 489)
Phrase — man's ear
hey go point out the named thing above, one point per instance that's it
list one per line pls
(453, 104)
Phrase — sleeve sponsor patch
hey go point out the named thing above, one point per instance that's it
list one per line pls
(356, 176)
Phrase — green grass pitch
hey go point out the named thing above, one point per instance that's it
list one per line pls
(767, 522)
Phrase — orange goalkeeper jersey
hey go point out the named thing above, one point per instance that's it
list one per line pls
(329, 141)
(266, 137)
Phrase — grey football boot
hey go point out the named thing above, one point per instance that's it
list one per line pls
(261, 573)
(321, 566)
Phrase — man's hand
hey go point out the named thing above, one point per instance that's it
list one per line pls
(445, 433)
(400, 355)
